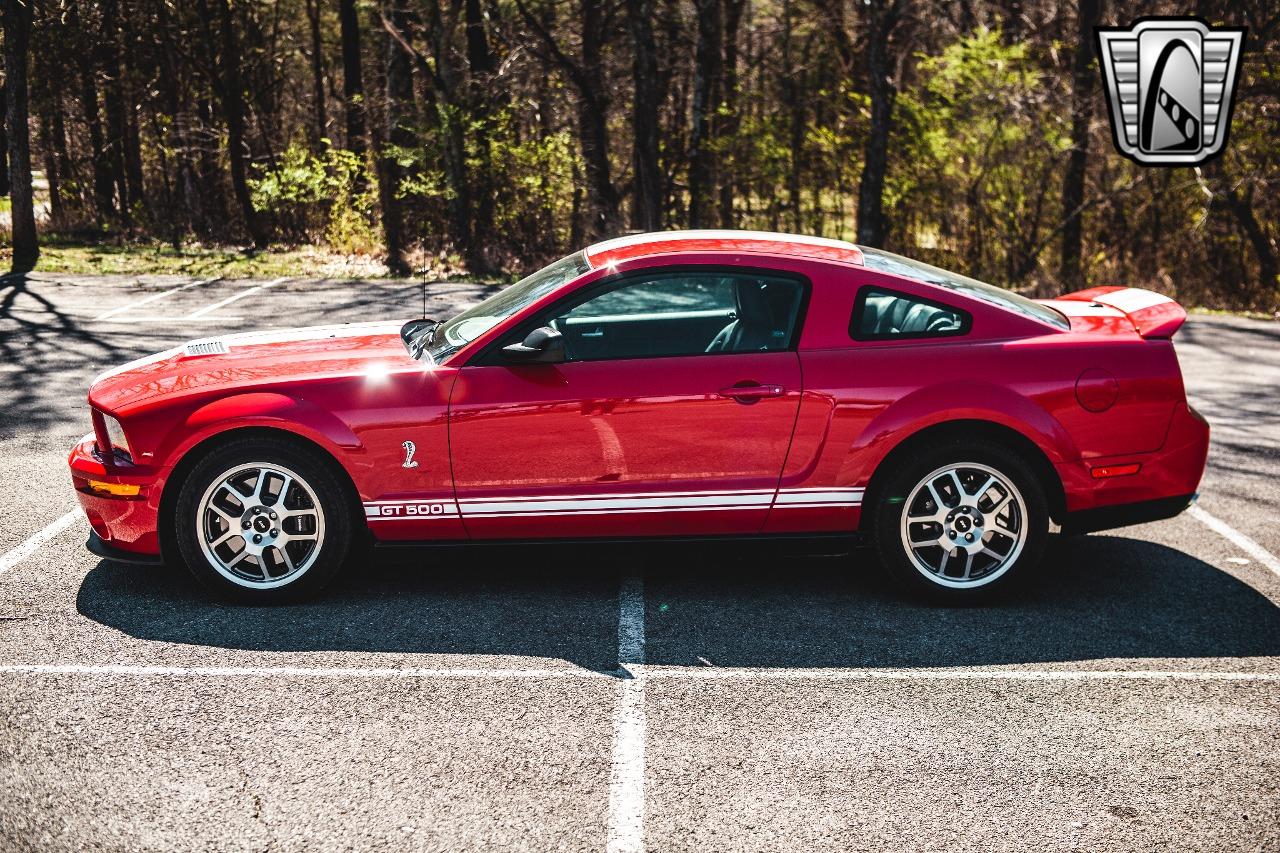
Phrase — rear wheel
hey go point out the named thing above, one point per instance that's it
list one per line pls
(262, 521)
(960, 522)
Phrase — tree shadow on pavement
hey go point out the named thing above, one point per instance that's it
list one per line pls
(733, 605)
(42, 340)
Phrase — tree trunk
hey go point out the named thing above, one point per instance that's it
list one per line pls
(399, 102)
(17, 33)
(646, 202)
(61, 157)
(1241, 207)
(793, 91)
(881, 23)
(593, 127)
(233, 110)
(732, 121)
(133, 156)
(108, 45)
(586, 74)
(103, 183)
(706, 98)
(481, 64)
(132, 142)
(321, 129)
(353, 79)
(1082, 86)
(51, 172)
(449, 121)
(4, 142)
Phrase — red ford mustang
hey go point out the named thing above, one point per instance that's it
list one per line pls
(685, 384)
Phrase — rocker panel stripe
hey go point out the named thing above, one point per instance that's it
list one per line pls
(606, 504)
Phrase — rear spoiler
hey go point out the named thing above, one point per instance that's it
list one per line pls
(1153, 314)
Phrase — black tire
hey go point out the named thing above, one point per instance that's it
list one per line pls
(890, 502)
(318, 484)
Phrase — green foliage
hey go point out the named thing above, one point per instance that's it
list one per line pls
(976, 152)
(320, 198)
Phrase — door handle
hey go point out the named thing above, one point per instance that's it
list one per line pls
(751, 393)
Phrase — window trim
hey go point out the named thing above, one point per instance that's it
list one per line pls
(489, 355)
(860, 306)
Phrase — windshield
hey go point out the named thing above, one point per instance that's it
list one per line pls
(456, 333)
(882, 261)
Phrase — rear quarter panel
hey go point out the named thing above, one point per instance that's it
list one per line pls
(863, 398)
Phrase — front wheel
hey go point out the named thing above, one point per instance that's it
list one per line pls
(262, 521)
(959, 522)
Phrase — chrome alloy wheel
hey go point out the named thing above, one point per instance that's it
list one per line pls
(964, 525)
(260, 525)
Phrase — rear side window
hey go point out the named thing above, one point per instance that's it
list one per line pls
(879, 259)
(887, 315)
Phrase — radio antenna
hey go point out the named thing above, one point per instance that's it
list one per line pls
(424, 274)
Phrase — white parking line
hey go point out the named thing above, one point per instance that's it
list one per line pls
(221, 318)
(626, 771)
(34, 542)
(294, 671)
(702, 673)
(113, 312)
(628, 751)
(1235, 537)
(208, 309)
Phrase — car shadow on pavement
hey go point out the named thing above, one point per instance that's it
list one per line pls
(1095, 597)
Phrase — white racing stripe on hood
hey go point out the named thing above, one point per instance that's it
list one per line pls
(260, 338)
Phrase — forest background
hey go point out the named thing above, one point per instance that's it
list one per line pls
(483, 138)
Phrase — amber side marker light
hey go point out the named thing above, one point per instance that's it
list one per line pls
(120, 490)
(1104, 471)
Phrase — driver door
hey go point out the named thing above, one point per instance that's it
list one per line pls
(671, 415)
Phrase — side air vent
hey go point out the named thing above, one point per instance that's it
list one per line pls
(206, 348)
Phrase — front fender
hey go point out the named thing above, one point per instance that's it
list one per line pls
(259, 409)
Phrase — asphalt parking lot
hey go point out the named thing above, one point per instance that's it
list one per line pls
(734, 698)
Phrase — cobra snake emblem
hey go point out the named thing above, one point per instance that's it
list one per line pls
(409, 449)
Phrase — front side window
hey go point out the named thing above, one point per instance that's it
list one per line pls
(457, 332)
(885, 314)
(681, 313)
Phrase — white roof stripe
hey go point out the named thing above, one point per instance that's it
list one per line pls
(713, 234)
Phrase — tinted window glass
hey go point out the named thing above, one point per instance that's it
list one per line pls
(664, 295)
(460, 330)
(878, 259)
(682, 313)
(879, 314)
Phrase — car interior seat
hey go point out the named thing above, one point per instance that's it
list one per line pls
(758, 325)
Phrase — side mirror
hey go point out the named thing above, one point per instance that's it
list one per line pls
(542, 346)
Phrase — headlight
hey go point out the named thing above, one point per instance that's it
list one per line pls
(115, 432)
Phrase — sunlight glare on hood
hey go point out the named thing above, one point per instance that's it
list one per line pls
(377, 373)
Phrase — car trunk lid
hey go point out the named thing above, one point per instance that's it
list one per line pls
(1149, 314)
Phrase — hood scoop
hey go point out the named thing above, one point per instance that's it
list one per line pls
(209, 347)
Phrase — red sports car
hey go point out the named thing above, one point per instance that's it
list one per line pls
(685, 384)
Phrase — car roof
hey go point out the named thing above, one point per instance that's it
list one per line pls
(749, 242)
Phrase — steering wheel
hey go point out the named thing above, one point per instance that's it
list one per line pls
(556, 324)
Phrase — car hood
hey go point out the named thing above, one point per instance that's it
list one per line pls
(253, 359)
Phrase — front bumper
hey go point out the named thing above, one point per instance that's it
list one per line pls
(96, 546)
(123, 526)
(1164, 484)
